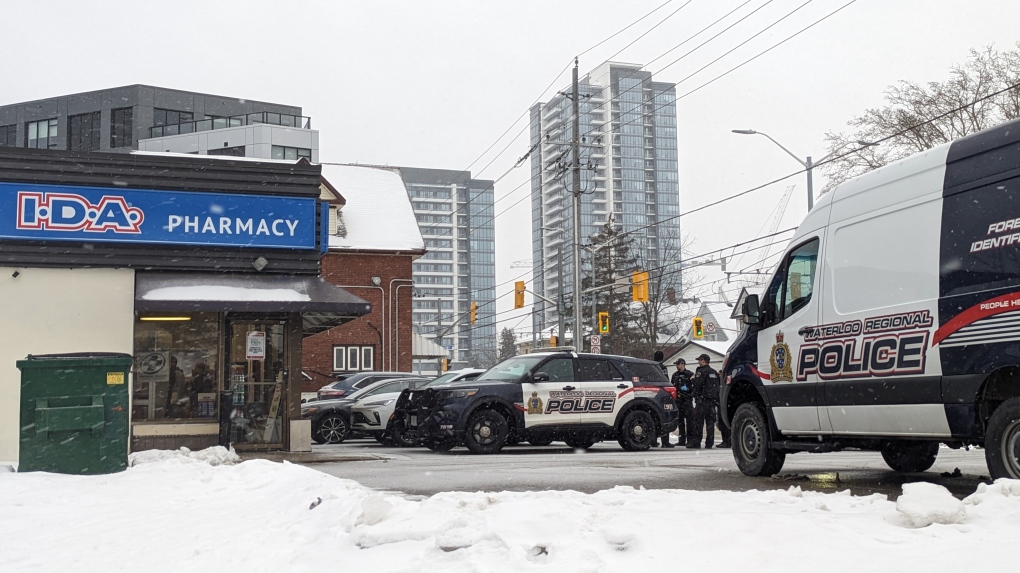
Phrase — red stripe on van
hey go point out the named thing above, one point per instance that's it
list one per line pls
(761, 374)
(991, 307)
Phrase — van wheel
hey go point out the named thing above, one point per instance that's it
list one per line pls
(1002, 441)
(905, 456)
(486, 433)
(637, 431)
(751, 443)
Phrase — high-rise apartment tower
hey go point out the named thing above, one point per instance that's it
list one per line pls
(628, 174)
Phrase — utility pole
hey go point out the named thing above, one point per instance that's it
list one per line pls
(439, 333)
(578, 329)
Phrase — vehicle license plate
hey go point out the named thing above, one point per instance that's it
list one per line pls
(414, 421)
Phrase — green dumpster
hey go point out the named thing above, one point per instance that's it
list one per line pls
(74, 413)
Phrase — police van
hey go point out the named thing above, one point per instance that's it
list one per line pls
(543, 397)
(893, 320)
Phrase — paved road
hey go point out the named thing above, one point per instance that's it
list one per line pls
(418, 472)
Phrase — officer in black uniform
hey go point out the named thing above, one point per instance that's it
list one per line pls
(707, 409)
(658, 357)
(681, 380)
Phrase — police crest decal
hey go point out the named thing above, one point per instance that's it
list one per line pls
(534, 404)
(781, 361)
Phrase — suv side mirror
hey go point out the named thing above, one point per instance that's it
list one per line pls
(750, 310)
(540, 377)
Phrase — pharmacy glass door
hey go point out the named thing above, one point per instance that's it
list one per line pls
(256, 412)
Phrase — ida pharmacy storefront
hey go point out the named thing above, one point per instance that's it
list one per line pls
(206, 270)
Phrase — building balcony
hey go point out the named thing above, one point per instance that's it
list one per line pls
(212, 123)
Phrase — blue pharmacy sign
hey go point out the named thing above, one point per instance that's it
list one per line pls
(117, 215)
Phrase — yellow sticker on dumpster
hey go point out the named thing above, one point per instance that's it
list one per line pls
(114, 377)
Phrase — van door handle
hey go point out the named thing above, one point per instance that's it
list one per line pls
(621, 386)
(569, 388)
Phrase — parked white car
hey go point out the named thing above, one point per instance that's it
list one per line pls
(371, 415)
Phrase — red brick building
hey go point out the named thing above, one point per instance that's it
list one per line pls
(374, 238)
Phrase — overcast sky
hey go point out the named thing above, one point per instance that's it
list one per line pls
(435, 84)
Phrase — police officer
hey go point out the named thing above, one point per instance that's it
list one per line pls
(706, 380)
(658, 357)
(681, 380)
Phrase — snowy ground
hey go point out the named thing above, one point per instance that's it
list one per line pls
(202, 511)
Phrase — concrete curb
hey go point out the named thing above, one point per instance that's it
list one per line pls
(310, 457)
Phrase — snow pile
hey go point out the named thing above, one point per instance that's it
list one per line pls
(197, 511)
(215, 456)
(925, 503)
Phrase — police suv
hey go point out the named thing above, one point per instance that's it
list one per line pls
(543, 397)
(893, 320)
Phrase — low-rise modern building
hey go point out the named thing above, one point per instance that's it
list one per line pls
(150, 118)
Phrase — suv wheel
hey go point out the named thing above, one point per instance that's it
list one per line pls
(486, 432)
(333, 428)
(751, 442)
(580, 443)
(440, 445)
(637, 431)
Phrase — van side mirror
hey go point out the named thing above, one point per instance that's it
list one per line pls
(750, 310)
(540, 377)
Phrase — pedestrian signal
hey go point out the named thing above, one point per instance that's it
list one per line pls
(698, 327)
(639, 287)
(519, 294)
(604, 323)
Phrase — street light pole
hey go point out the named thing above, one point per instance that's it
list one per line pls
(807, 164)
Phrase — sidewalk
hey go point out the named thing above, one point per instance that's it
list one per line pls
(316, 456)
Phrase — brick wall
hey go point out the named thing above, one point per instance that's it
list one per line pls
(392, 342)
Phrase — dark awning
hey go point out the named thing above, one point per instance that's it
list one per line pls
(321, 304)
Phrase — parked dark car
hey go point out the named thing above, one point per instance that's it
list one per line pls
(541, 397)
(347, 383)
(331, 419)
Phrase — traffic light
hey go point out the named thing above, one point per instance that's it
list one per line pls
(603, 323)
(474, 311)
(446, 364)
(519, 294)
(697, 327)
(554, 340)
(639, 286)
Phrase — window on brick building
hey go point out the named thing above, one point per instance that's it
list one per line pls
(351, 358)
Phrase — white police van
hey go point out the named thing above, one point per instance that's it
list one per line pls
(893, 320)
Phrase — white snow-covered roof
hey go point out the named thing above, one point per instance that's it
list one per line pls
(719, 347)
(378, 215)
(216, 292)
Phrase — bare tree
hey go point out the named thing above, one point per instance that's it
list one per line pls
(918, 117)
(670, 287)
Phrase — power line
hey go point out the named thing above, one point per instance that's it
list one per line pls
(626, 28)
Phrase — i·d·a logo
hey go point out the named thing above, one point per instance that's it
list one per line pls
(70, 212)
